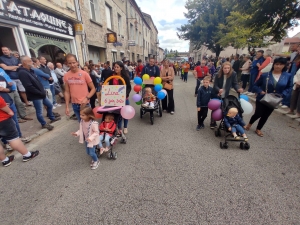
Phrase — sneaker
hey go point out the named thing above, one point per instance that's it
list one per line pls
(54, 107)
(48, 126)
(202, 126)
(125, 131)
(56, 119)
(93, 162)
(284, 106)
(198, 127)
(172, 112)
(33, 155)
(8, 147)
(26, 139)
(95, 165)
(8, 162)
(57, 105)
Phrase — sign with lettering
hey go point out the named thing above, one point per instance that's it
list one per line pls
(27, 14)
(113, 95)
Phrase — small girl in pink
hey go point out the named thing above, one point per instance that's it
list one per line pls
(107, 127)
(89, 134)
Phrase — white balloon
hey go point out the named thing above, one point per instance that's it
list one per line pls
(247, 106)
(164, 91)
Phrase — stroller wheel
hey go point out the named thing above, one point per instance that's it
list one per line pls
(110, 155)
(152, 120)
(114, 155)
(225, 145)
(246, 146)
(216, 133)
(160, 110)
(219, 133)
(242, 145)
(123, 141)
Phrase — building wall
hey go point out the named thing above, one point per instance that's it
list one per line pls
(153, 36)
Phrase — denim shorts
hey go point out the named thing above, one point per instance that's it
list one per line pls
(8, 130)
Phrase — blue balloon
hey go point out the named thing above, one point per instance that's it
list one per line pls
(157, 88)
(161, 95)
(245, 97)
(138, 80)
(217, 99)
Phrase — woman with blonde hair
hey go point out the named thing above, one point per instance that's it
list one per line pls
(167, 75)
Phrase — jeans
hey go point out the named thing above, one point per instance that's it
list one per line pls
(18, 103)
(76, 109)
(125, 120)
(38, 105)
(91, 152)
(106, 140)
(237, 128)
(252, 81)
(262, 112)
(198, 82)
(185, 76)
(169, 98)
(295, 100)
(131, 75)
(52, 88)
(245, 79)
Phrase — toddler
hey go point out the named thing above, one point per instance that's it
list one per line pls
(234, 123)
(107, 127)
(148, 98)
(89, 134)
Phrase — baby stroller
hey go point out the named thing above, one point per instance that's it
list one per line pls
(231, 102)
(157, 105)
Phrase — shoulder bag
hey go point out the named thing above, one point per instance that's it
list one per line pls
(272, 100)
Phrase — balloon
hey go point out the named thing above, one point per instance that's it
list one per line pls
(217, 115)
(157, 80)
(157, 88)
(127, 112)
(146, 77)
(161, 95)
(137, 88)
(164, 91)
(161, 85)
(247, 107)
(245, 97)
(152, 78)
(138, 103)
(96, 114)
(138, 80)
(214, 104)
(217, 99)
(143, 85)
(136, 97)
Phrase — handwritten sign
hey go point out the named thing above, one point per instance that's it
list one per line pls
(113, 95)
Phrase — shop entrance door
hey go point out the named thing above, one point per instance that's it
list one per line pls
(7, 40)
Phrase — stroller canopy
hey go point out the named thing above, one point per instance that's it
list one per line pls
(232, 102)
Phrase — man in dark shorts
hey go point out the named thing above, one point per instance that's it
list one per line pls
(9, 132)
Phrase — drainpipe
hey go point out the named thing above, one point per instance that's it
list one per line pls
(83, 43)
(127, 46)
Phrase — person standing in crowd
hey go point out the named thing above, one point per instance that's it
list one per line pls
(186, 68)
(10, 64)
(57, 88)
(276, 81)
(268, 60)
(236, 66)
(254, 71)
(9, 132)
(246, 72)
(77, 82)
(130, 69)
(60, 72)
(65, 66)
(200, 72)
(89, 70)
(16, 98)
(36, 92)
(151, 69)
(167, 75)
(119, 70)
(224, 81)
(106, 72)
(212, 69)
(139, 68)
(295, 99)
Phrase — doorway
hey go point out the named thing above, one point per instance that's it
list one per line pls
(52, 53)
(7, 40)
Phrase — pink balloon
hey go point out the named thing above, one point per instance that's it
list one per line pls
(152, 78)
(217, 115)
(214, 104)
(127, 112)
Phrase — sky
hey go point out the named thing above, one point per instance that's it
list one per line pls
(168, 15)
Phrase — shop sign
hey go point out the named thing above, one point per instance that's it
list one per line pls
(118, 44)
(26, 14)
(111, 37)
(131, 42)
(79, 28)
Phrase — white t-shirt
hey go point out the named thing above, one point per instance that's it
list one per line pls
(224, 84)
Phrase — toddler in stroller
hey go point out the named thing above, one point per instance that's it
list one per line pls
(107, 129)
(234, 123)
(149, 98)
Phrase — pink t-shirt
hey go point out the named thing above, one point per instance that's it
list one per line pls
(78, 85)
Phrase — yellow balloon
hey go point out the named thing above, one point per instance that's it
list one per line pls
(146, 77)
(157, 80)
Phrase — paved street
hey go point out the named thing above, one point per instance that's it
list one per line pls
(167, 173)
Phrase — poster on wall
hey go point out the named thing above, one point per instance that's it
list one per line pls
(113, 95)
(24, 13)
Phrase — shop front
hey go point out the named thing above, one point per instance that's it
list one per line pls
(35, 32)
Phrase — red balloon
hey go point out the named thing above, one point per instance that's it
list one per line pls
(137, 88)
(97, 115)
(152, 78)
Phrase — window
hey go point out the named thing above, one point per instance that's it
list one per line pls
(141, 39)
(119, 23)
(114, 56)
(131, 32)
(108, 16)
(92, 8)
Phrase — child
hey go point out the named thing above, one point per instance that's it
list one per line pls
(89, 133)
(203, 97)
(149, 98)
(234, 123)
(107, 127)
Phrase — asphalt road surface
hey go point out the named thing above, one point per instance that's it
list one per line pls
(167, 173)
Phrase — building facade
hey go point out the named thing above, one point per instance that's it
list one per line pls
(154, 43)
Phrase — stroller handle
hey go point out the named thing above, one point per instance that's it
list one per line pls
(114, 77)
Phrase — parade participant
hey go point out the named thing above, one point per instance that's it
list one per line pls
(88, 133)
(89, 70)
(186, 68)
(234, 123)
(200, 72)
(167, 75)
(9, 132)
(276, 81)
(10, 64)
(77, 82)
(107, 128)
(151, 69)
(254, 71)
(36, 92)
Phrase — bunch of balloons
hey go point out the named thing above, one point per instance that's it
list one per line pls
(246, 105)
(214, 105)
(157, 81)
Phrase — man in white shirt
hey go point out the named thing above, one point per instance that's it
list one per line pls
(60, 72)
(56, 85)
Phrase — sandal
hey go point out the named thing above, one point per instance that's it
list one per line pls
(248, 126)
(21, 121)
(259, 133)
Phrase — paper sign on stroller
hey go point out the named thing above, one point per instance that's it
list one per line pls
(113, 95)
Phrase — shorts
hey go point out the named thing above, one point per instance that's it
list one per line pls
(19, 86)
(8, 130)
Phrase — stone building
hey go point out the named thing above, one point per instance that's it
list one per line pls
(153, 36)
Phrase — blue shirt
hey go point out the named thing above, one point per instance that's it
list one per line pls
(7, 78)
(53, 74)
(43, 77)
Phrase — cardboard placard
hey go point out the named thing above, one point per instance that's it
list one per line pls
(113, 95)
(150, 81)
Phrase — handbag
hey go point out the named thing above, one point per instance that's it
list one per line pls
(272, 100)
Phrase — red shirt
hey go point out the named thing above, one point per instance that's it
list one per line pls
(3, 115)
(139, 70)
(199, 71)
